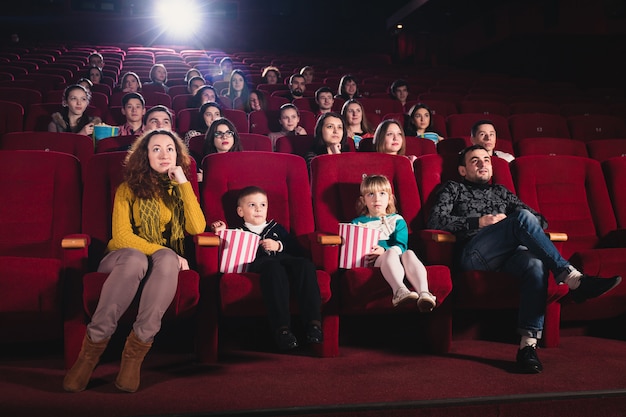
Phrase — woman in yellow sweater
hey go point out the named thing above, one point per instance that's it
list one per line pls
(153, 209)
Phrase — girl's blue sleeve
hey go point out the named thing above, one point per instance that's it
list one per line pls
(400, 236)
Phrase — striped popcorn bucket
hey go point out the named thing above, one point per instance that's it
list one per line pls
(238, 249)
(357, 242)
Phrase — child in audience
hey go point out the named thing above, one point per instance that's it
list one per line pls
(377, 210)
(134, 109)
(279, 260)
(158, 76)
(73, 117)
(289, 119)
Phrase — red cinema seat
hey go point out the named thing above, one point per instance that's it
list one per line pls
(572, 194)
(335, 182)
(474, 290)
(285, 179)
(41, 205)
(532, 125)
(80, 146)
(101, 177)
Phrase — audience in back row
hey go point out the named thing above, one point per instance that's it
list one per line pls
(73, 116)
(289, 119)
(357, 125)
(484, 133)
(330, 137)
(419, 123)
(208, 112)
(271, 75)
(158, 77)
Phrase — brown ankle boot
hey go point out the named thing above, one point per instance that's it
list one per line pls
(132, 357)
(78, 376)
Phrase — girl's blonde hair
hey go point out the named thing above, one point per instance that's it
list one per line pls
(371, 184)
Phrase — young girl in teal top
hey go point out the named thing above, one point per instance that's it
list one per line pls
(377, 210)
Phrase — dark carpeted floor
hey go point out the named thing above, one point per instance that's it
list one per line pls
(362, 381)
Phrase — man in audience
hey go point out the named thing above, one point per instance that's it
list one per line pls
(134, 109)
(400, 91)
(297, 86)
(195, 83)
(158, 117)
(496, 231)
(324, 99)
(484, 133)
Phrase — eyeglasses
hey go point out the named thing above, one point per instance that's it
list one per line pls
(228, 134)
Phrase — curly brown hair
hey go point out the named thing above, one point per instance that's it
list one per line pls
(143, 181)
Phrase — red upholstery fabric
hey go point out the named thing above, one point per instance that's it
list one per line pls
(414, 146)
(239, 119)
(486, 107)
(335, 181)
(285, 179)
(101, 176)
(603, 149)
(588, 127)
(615, 172)
(75, 144)
(296, 145)
(476, 289)
(115, 143)
(461, 124)
(572, 194)
(11, 117)
(531, 125)
(40, 206)
(39, 115)
(255, 142)
(550, 146)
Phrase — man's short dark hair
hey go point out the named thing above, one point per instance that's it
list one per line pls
(295, 76)
(322, 90)
(126, 98)
(398, 83)
(461, 160)
(158, 107)
(481, 122)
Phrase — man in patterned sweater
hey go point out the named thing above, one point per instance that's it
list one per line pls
(496, 231)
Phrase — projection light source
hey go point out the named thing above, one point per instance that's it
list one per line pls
(179, 18)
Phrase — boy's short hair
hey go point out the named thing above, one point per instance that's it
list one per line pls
(245, 192)
(126, 98)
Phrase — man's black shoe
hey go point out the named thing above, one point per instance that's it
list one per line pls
(527, 360)
(286, 340)
(314, 334)
(591, 287)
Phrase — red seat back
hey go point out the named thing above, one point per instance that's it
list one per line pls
(80, 146)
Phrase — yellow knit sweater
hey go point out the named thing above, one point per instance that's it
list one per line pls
(126, 219)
